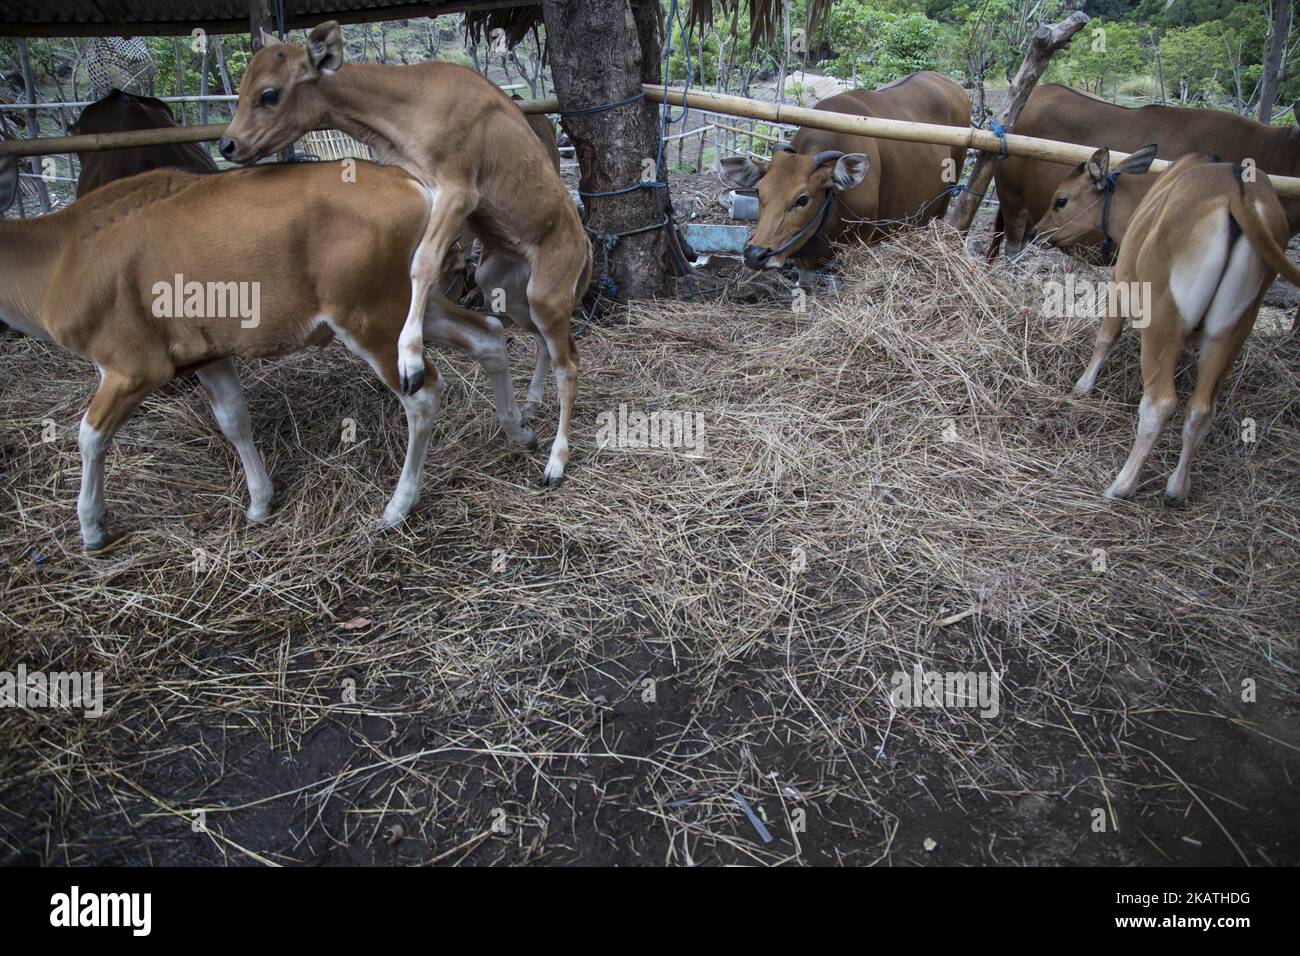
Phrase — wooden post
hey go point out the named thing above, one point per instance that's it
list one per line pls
(180, 80)
(260, 18)
(1049, 38)
(33, 128)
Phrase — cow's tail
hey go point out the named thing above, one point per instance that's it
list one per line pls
(1243, 210)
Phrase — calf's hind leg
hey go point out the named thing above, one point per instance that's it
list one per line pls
(1161, 343)
(551, 295)
(1217, 357)
(119, 395)
(372, 342)
(483, 339)
(221, 382)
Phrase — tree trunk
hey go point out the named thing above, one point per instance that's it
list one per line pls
(615, 147)
(221, 67)
(1049, 38)
(1160, 73)
(1273, 65)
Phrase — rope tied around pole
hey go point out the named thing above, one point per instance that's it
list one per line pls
(1000, 132)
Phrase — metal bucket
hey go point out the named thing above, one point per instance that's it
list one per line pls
(744, 204)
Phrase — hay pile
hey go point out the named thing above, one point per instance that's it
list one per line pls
(897, 475)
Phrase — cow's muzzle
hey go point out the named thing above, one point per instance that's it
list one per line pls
(756, 257)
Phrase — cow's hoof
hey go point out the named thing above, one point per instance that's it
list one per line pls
(528, 437)
(102, 547)
(412, 381)
(1174, 501)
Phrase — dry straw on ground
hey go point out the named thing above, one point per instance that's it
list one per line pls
(601, 671)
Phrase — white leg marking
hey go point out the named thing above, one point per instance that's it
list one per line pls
(221, 381)
(488, 348)
(554, 473)
(90, 502)
(1194, 430)
(1152, 417)
(421, 410)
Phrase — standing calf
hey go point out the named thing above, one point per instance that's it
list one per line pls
(314, 255)
(1210, 240)
(473, 150)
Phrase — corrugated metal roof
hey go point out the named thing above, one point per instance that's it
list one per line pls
(59, 18)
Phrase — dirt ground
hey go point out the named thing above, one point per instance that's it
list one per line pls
(672, 659)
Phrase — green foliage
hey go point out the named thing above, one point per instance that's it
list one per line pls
(1189, 59)
(877, 45)
(1102, 53)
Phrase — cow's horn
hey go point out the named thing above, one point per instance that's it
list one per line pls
(783, 148)
(826, 156)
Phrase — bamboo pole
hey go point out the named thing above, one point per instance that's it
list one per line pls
(1031, 147)
(91, 142)
(1052, 151)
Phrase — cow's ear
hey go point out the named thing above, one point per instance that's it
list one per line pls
(325, 47)
(741, 171)
(849, 171)
(1098, 167)
(269, 39)
(1139, 162)
(8, 181)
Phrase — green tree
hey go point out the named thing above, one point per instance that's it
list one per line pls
(1189, 58)
(877, 46)
(1103, 52)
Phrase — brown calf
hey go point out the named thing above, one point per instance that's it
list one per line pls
(471, 147)
(1209, 238)
(1026, 186)
(169, 272)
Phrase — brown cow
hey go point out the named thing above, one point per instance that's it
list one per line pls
(168, 272)
(1198, 245)
(1025, 186)
(118, 112)
(879, 183)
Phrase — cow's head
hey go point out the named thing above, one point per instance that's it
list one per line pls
(793, 191)
(278, 101)
(1073, 221)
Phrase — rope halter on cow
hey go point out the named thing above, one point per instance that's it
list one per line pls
(1107, 243)
(818, 223)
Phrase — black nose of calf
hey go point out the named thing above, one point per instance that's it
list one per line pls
(755, 257)
(227, 147)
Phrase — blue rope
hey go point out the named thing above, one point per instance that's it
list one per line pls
(1001, 134)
